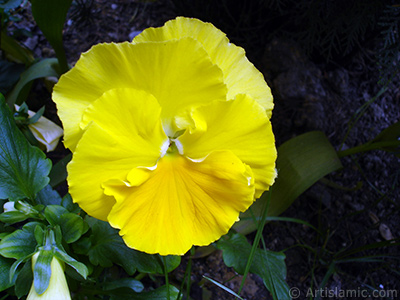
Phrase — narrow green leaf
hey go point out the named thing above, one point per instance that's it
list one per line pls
(158, 294)
(302, 161)
(23, 168)
(20, 243)
(10, 4)
(42, 271)
(44, 68)
(270, 266)
(50, 16)
(223, 287)
(15, 51)
(78, 266)
(5, 266)
(23, 281)
(129, 283)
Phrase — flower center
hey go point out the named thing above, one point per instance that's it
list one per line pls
(171, 147)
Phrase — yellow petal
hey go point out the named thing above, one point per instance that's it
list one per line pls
(124, 132)
(182, 203)
(240, 75)
(58, 287)
(45, 131)
(177, 73)
(240, 126)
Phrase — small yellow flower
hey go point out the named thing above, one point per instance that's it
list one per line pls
(170, 134)
(58, 287)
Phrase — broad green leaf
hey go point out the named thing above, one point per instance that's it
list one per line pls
(44, 68)
(21, 243)
(42, 271)
(23, 168)
(53, 213)
(270, 266)
(78, 266)
(9, 75)
(158, 294)
(5, 266)
(302, 161)
(124, 283)
(68, 204)
(72, 227)
(14, 51)
(50, 17)
(23, 281)
(107, 247)
(48, 196)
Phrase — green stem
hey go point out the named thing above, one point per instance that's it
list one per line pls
(367, 147)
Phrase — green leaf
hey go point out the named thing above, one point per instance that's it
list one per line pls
(302, 161)
(23, 282)
(44, 68)
(68, 204)
(78, 266)
(15, 51)
(108, 248)
(20, 243)
(42, 271)
(53, 213)
(5, 266)
(72, 227)
(50, 17)
(48, 196)
(23, 168)
(9, 75)
(158, 294)
(124, 283)
(270, 266)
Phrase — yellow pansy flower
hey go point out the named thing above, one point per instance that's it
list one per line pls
(58, 287)
(170, 134)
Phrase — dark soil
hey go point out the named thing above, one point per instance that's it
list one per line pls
(355, 209)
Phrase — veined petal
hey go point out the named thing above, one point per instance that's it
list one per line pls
(177, 73)
(124, 132)
(182, 203)
(241, 126)
(240, 75)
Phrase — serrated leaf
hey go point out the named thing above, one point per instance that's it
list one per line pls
(107, 247)
(78, 266)
(45, 68)
(270, 266)
(20, 243)
(42, 271)
(5, 266)
(50, 17)
(23, 168)
(158, 294)
(302, 161)
(48, 196)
